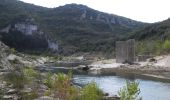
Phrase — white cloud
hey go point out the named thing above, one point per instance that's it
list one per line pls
(141, 10)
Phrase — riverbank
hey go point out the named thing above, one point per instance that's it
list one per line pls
(159, 70)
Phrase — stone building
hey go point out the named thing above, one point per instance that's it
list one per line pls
(125, 51)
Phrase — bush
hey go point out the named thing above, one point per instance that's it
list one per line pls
(130, 91)
(91, 92)
(49, 81)
(17, 79)
(60, 85)
(30, 73)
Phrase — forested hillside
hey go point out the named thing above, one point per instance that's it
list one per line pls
(72, 27)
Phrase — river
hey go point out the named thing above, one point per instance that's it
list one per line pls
(150, 90)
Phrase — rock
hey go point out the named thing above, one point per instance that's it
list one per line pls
(83, 67)
(10, 97)
(4, 63)
(94, 71)
(111, 98)
(26, 28)
(13, 57)
(27, 90)
(153, 60)
(86, 68)
(46, 98)
(42, 89)
(11, 91)
(106, 94)
(42, 86)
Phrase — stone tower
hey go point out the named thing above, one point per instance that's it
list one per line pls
(125, 51)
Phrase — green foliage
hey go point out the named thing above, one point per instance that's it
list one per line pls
(130, 91)
(17, 79)
(30, 73)
(49, 81)
(154, 47)
(62, 88)
(20, 77)
(13, 50)
(29, 96)
(140, 48)
(63, 85)
(91, 92)
(166, 46)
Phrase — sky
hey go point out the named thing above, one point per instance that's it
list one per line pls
(141, 10)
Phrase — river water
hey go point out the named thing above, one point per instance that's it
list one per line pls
(150, 90)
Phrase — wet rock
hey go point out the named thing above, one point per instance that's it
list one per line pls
(86, 68)
(83, 67)
(112, 97)
(106, 94)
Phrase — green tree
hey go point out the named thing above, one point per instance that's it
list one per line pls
(166, 46)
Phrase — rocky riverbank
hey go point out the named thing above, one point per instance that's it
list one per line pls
(158, 70)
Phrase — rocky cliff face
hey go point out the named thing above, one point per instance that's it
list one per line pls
(31, 33)
(25, 28)
(87, 13)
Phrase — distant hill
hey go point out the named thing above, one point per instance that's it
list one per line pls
(65, 29)
(153, 39)
(155, 31)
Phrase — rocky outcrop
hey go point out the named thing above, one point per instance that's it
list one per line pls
(53, 45)
(26, 35)
(26, 28)
(4, 63)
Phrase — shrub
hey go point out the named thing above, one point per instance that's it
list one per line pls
(130, 91)
(60, 85)
(49, 81)
(30, 73)
(64, 88)
(91, 92)
(13, 50)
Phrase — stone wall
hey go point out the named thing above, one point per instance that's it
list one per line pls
(125, 51)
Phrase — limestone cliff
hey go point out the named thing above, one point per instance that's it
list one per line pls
(28, 33)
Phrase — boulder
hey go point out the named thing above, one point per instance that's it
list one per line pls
(46, 98)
